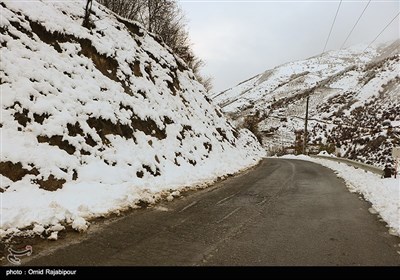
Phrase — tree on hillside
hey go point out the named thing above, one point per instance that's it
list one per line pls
(196, 64)
(166, 19)
(88, 9)
(124, 8)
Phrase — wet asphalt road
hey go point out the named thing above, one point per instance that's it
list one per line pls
(283, 212)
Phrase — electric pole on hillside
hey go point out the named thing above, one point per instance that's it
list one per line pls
(305, 127)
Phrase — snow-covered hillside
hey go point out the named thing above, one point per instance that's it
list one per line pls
(354, 103)
(100, 120)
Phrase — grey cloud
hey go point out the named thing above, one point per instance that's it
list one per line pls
(241, 39)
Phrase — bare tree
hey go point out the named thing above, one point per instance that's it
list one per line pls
(166, 19)
(125, 8)
(88, 10)
(196, 64)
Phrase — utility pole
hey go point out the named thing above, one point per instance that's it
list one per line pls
(305, 127)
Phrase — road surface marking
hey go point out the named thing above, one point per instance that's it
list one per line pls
(226, 198)
(263, 201)
(228, 215)
(180, 222)
(188, 206)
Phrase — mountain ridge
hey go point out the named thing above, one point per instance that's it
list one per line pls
(343, 86)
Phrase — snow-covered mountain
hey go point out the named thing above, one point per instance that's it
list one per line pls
(101, 119)
(354, 103)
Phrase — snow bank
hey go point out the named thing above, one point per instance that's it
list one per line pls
(97, 121)
(384, 194)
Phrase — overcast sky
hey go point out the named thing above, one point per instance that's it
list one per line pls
(239, 39)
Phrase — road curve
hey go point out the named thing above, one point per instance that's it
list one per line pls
(283, 212)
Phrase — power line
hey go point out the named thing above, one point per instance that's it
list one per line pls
(348, 36)
(333, 23)
(382, 31)
(308, 96)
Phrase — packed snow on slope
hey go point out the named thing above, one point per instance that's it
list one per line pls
(384, 194)
(101, 120)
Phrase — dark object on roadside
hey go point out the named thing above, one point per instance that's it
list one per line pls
(387, 172)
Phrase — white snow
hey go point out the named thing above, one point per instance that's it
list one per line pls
(53, 236)
(80, 224)
(280, 82)
(132, 136)
(383, 193)
(38, 229)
